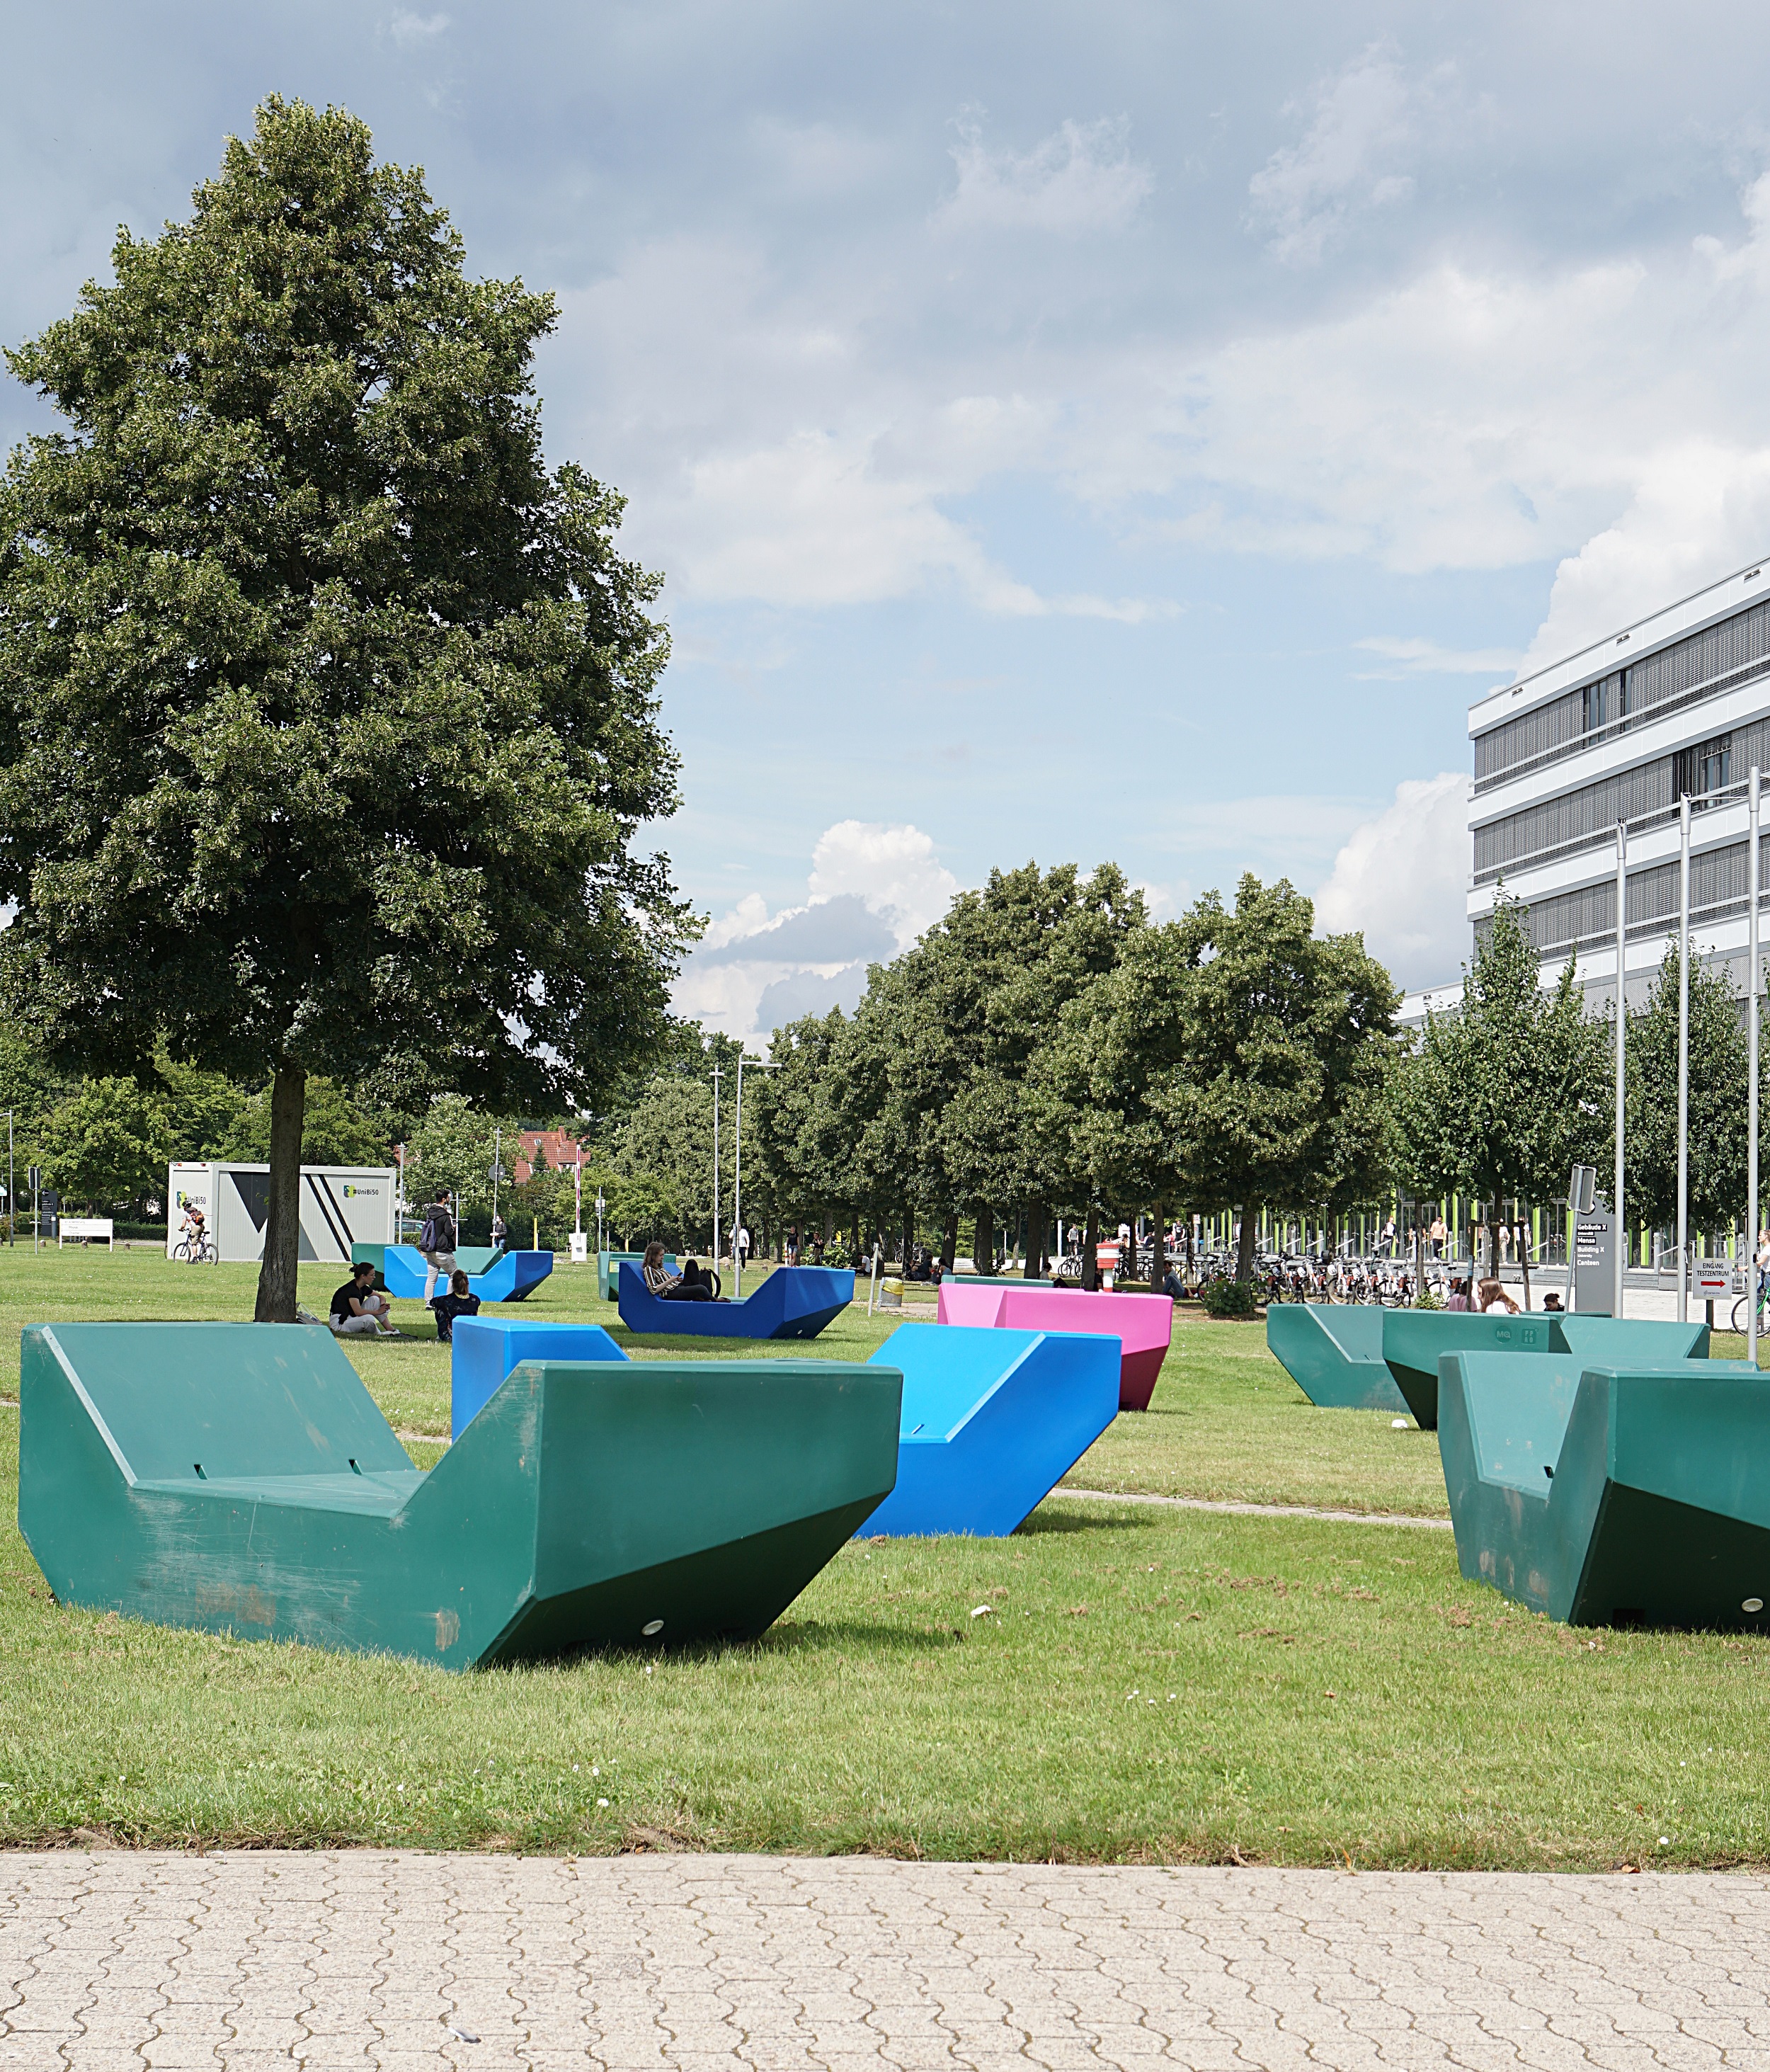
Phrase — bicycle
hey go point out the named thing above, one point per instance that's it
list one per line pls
(1742, 1313)
(203, 1254)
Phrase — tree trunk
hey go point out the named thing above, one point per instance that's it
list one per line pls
(1158, 1249)
(949, 1241)
(1494, 1240)
(909, 1237)
(1524, 1259)
(282, 1224)
(829, 1227)
(1035, 1242)
(1090, 1250)
(1244, 1249)
(983, 1244)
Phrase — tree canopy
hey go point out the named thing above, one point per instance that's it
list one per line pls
(328, 715)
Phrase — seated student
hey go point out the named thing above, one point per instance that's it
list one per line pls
(1490, 1295)
(1172, 1286)
(1552, 1303)
(692, 1285)
(1459, 1296)
(357, 1310)
(456, 1302)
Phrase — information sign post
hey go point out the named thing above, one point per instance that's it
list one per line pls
(1595, 1271)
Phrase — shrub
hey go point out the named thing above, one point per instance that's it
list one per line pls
(1229, 1298)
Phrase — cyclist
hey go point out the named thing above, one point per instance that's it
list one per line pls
(194, 1231)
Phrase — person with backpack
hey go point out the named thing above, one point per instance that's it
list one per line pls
(436, 1242)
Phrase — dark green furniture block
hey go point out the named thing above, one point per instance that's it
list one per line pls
(1334, 1354)
(1612, 1495)
(239, 1478)
(1331, 1349)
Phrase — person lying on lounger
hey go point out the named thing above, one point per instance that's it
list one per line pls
(694, 1284)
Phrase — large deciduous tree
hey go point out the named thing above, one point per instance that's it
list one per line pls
(1506, 1093)
(327, 713)
(1719, 1114)
(1269, 1051)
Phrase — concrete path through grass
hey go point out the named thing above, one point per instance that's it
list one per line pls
(377, 1959)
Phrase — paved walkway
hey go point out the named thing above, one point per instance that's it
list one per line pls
(378, 1958)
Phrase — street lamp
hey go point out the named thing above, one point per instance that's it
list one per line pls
(716, 1169)
(759, 1065)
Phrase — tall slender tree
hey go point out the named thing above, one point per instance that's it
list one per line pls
(1505, 1093)
(327, 714)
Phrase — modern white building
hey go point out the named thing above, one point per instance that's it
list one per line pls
(1678, 702)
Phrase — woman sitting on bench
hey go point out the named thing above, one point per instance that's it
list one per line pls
(694, 1284)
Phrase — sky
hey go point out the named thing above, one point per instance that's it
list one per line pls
(1125, 432)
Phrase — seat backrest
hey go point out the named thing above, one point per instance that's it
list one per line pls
(1518, 1412)
(948, 1370)
(233, 1399)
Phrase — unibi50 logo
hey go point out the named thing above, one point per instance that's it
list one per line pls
(351, 1192)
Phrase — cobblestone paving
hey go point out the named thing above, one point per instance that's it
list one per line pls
(376, 1959)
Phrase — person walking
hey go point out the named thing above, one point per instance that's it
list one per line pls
(740, 1245)
(436, 1242)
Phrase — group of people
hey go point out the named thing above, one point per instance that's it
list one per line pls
(360, 1310)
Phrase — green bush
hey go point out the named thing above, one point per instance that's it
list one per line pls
(1229, 1298)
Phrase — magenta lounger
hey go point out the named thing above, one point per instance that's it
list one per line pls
(1142, 1324)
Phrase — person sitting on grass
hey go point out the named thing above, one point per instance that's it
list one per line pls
(357, 1310)
(454, 1301)
(692, 1285)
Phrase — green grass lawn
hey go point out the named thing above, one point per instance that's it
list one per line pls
(1146, 1684)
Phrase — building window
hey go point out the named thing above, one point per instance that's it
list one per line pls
(1704, 770)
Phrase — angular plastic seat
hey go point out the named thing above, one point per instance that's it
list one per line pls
(1608, 1495)
(792, 1302)
(1334, 1354)
(493, 1276)
(1320, 1336)
(483, 1350)
(238, 1478)
(992, 1420)
(1144, 1325)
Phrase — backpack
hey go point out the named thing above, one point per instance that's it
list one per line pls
(427, 1237)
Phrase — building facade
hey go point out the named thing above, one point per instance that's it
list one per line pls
(1677, 704)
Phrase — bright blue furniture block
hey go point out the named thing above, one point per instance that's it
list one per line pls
(793, 1302)
(992, 1421)
(511, 1276)
(484, 1349)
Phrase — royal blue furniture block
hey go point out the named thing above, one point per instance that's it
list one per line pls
(484, 1349)
(992, 1421)
(507, 1279)
(793, 1302)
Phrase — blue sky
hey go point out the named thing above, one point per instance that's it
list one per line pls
(1125, 432)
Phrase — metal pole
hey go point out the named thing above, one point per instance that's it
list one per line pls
(1683, 1057)
(1754, 980)
(1621, 1234)
(497, 1160)
(12, 1189)
(737, 1185)
(716, 1169)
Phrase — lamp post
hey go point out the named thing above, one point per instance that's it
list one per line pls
(1754, 982)
(758, 1065)
(716, 1169)
(1619, 1247)
(1683, 1057)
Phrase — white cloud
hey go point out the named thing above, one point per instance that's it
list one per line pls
(1365, 124)
(412, 31)
(1402, 879)
(872, 890)
(1700, 510)
(1080, 179)
(1418, 657)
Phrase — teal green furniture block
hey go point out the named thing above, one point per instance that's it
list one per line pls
(1327, 1349)
(239, 1478)
(1334, 1354)
(1608, 1495)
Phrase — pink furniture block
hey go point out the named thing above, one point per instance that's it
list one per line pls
(1144, 1325)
